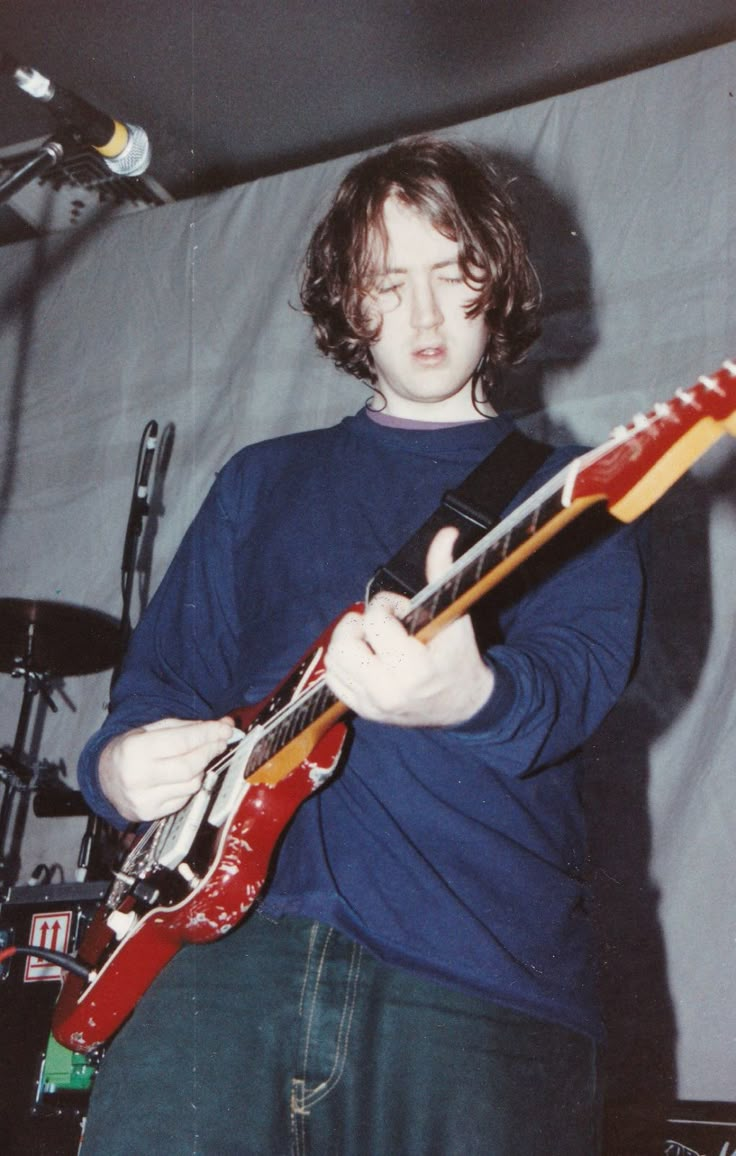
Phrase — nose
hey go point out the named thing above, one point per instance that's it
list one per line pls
(425, 307)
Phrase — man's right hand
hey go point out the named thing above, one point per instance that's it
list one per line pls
(152, 771)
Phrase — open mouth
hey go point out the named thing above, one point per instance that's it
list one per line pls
(429, 354)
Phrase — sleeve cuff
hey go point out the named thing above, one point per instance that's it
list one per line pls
(497, 708)
(89, 783)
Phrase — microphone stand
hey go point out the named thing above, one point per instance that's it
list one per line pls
(139, 508)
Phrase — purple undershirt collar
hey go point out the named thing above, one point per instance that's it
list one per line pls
(413, 423)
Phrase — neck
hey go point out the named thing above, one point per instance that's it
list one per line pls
(451, 411)
(380, 417)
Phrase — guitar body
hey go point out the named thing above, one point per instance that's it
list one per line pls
(124, 965)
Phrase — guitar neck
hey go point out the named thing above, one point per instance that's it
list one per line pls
(628, 473)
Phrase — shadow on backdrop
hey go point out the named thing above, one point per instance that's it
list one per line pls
(637, 1004)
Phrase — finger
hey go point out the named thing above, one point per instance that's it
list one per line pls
(170, 738)
(348, 630)
(357, 638)
(163, 724)
(157, 805)
(349, 662)
(440, 553)
(190, 726)
(383, 630)
(390, 602)
(178, 770)
(348, 649)
(342, 689)
(143, 760)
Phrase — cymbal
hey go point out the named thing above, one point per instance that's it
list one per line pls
(65, 639)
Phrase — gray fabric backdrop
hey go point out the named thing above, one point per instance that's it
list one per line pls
(185, 314)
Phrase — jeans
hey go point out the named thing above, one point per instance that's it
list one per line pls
(287, 1039)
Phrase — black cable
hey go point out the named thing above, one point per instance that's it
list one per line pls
(57, 957)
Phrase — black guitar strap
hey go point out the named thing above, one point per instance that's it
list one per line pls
(474, 508)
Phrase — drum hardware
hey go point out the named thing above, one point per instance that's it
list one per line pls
(52, 797)
(43, 639)
(40, 642)
(43, 874)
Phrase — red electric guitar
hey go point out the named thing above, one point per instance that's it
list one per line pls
(193, 875)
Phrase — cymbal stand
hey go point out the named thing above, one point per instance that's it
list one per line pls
(39, 163)
(16, 775)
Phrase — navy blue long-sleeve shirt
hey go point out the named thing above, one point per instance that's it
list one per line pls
(455, 852)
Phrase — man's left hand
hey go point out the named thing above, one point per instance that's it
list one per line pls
(385, 675)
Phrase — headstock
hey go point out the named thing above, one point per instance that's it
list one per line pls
(641, 460)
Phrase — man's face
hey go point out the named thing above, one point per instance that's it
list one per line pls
(428, 347)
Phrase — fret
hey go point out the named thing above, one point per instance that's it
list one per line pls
(324, 698)
(437, 602)
(456, 587)
(504, 547)
(476, 572)
(279, 737)
(260, 754)
(416, 618)
(290, 725)
(303, 715)
(516, 536)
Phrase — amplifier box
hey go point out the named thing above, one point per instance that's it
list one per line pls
(44, 1088)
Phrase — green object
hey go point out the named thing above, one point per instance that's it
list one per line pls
(65, 1071)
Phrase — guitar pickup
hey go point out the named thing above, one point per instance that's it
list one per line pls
(234, 779)
(180, 829)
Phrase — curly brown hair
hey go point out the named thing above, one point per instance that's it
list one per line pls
(461, 194)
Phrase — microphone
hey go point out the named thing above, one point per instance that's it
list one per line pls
(150, 439)
(139, 507)
(124, 147)
(139, 500)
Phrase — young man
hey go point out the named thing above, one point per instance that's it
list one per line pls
(417, 975)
